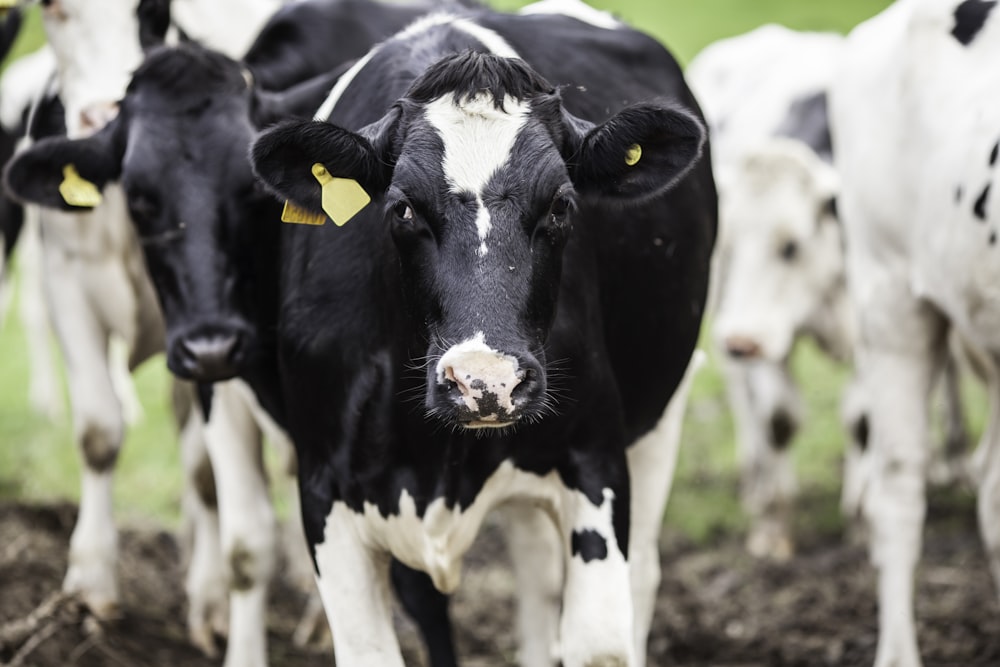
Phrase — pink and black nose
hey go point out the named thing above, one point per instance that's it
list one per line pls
(742, 347)
(480, 387)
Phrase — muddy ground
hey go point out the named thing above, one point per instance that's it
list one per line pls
(717, 606)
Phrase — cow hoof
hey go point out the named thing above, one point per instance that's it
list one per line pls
(97, 590)
(770, 544)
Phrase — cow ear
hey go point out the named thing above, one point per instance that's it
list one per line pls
(65, 174)
(639, 153)
(284, 159)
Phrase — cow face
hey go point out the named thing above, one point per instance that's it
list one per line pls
(98, 44)
(478, 174)
(781, 259)
(179, 149)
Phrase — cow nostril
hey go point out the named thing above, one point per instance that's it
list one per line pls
(455, 382)
(742, 347)
(526, 389)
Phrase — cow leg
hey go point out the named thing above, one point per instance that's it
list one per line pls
(854, 415)
(651, 464)
(353, 581)
(989, 481)
(98, 429)
(901, 346)
(247, 520)
(766, 409)
(596, 625)
(205, 583)
(535, 551)
(44, 390)
(428, 607)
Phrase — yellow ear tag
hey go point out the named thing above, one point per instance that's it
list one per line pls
(78, 191)
(300, 216)
(343, 198)
(633, 154)
(6, 5)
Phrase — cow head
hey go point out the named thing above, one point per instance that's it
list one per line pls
(478, 173)
(781, 259)
(98, 44)
(179, 148)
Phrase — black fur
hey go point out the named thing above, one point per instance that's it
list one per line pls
(970, 17)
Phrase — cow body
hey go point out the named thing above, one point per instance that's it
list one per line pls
(428, 292)
(918, 155)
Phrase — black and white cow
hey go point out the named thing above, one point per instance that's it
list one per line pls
(512, 309)
(619, 351)
(917, 143)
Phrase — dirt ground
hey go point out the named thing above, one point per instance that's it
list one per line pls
(716, 607)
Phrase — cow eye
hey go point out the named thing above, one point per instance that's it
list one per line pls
(561, 206)
(142, 207)
(403, 212)
(789, 251)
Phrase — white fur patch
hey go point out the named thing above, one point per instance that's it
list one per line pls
(574, 9)
(478, 138)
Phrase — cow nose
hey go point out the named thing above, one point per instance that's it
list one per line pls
(742, 347)
(211, 358)
(489, 385)
(95, 116)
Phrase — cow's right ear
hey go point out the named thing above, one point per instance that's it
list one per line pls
(64, 173)
(284, 158)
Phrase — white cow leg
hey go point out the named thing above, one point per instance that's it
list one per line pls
(651, 464)
(536, 552)
(98, 430)
(353, 581)
(767, 476)
(206, 582)
(899, 387)
(247, 519)
(596, 629)
(989, 483)
(44, 389)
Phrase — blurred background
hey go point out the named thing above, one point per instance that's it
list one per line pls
(38, 461)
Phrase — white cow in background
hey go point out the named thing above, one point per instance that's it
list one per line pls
(779, 269)
(917, 136)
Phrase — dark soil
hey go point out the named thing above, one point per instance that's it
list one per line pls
(717, 606)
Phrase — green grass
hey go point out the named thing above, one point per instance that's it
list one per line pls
(38, 460)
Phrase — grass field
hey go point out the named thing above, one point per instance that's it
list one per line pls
(38, 460)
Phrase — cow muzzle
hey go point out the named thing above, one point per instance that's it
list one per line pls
(209, 356)
(478, 387)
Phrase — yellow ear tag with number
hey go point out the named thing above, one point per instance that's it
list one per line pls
(633, 154)
(300, 216)
(343, 198)
(78, 191)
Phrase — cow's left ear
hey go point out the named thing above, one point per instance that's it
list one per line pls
(639, 153)
(285, 159)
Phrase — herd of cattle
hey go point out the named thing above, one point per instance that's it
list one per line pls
(457, 260)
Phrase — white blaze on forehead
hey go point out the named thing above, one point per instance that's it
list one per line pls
(478, 138)
(574, 9)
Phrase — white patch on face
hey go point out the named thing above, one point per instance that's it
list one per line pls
(574, 9)
(478, 138)
(478, 369)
